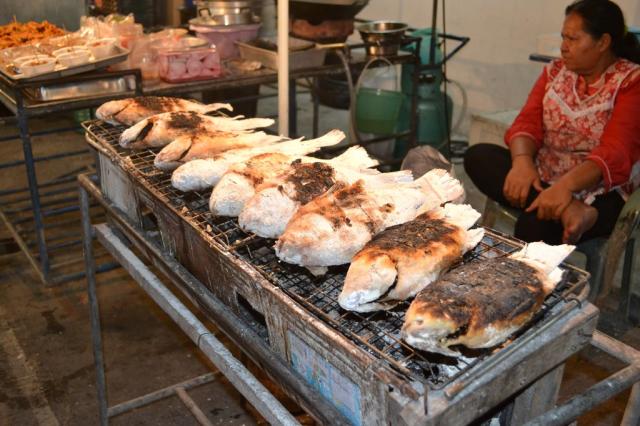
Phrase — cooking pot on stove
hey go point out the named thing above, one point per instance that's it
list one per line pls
(232, 12)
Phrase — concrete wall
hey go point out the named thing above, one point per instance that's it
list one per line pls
(494, 67)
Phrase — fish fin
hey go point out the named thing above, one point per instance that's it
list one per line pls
(331, 138)
(544, 256)
(440, 183)
(216, 107)
(391, 178)
(355, 158)
(462, 215)
(474, 236)
(257, 123)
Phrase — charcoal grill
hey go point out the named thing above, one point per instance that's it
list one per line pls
(301, 320)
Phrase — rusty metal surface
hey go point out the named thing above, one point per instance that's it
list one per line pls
(377, 334)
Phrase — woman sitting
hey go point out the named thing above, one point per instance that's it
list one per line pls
(574, 149)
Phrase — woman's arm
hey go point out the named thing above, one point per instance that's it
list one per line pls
(524, 138)
(552, 201)
(523, 173)
(619, 147)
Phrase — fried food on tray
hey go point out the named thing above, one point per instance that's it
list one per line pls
(18, 34)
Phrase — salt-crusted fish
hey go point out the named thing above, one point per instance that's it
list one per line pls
(240, 183)
(131, 110)
(202, 174)
(333, 227)
(209, 145)
(268, 212)
(480, 304)
(402, 260)
(161, 129)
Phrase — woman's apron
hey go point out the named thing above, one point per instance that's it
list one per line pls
(573, 126)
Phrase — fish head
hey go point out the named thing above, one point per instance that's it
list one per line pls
(140, 133)
(108, 110)
(370, 277)
(196, 175)
(428, 332)
(171, 155)
(231, 193)
(314, 240)
(268, 212)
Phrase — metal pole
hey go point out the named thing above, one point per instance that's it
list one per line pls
(316, 106)
(293, 109)
(432, 47)
(33, 186)
(632, 412)
(283, 67)
(94, 308)
(193, 407)
(160, 394)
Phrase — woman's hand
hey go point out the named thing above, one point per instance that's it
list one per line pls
(552, 201)
(521, 177)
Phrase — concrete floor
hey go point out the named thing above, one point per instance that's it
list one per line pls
(46, 370)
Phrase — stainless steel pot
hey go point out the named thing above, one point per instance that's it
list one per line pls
(383, 37)
(234, 12)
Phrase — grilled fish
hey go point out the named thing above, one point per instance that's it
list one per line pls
(202, 174)
(402, 260)
(161, 129)
(240, 183)
(268, 212)
(130, 111)
(209, 145)
(333, 227)
(480, 304)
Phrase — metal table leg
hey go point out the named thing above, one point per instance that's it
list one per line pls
(23, 128)
(94, 308)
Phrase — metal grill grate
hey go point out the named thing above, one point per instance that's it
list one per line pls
(377, 333)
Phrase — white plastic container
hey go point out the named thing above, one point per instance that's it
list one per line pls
(102, 47)
(225, 37)
(74, 58)
(37, 66)
(177, 66)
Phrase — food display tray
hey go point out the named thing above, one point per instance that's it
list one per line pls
(56, 92)
(120, 55)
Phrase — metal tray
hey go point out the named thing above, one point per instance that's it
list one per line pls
(55, 92)
(298, 59)
(120, 55)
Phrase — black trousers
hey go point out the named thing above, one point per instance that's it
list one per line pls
(487, 165)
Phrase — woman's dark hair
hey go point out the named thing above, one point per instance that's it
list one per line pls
(605, 17)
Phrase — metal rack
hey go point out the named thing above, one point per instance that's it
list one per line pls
(290, 311)
(378, 332)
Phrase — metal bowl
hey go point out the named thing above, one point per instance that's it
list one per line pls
(225, 12)
(383, 38)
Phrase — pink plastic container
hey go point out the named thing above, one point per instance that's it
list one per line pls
(225, 37)
(177, 66)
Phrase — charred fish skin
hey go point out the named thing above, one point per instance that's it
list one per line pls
(478, 304)
(132, 110)
(403, 259)
(399, 262)
(161, 129)
(334, 227)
